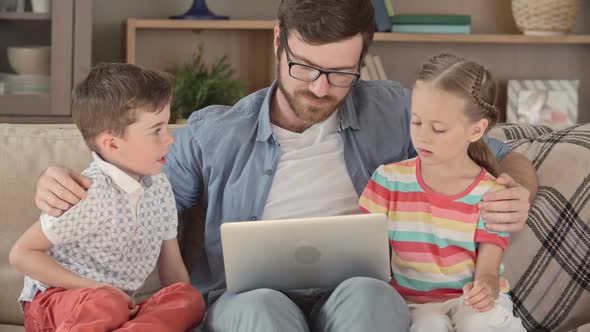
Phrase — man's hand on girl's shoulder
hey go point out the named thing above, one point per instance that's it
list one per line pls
(506, 210)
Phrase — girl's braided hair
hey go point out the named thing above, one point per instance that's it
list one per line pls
(473, 82)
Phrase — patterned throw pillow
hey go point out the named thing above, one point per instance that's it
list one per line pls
(548, 263)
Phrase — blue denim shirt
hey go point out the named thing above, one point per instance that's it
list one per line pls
(228, 155)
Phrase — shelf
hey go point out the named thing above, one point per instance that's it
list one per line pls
(480, 38)
(15, 104)
(202, 24)
(379, 36)
(25, 16)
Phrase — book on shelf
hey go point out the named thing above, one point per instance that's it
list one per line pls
(372, 68)
(389, 7)
(382, 21)
(365, 76)
(426, 19)
(431, 28)
(379, 67)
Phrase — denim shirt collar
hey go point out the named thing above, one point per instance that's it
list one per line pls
(348, 116)
(264, 129)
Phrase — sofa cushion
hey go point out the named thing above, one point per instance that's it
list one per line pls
(11, 328)
(548, 263)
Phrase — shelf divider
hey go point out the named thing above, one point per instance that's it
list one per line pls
(26, 16)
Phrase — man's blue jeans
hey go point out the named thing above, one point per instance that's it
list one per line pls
(357, 304)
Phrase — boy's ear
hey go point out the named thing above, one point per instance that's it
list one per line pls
(477, 130)
(107, 142)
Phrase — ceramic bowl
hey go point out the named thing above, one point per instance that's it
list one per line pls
(29, 60)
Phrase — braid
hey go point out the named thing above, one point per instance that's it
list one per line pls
(488, 108)
(479, 151)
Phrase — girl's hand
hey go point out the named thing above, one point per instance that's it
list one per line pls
(479, 295)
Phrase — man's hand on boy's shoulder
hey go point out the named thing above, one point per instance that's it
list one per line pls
(58, 188)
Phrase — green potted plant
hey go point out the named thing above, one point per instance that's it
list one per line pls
(196, 86)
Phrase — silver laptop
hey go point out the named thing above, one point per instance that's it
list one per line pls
(304, 253)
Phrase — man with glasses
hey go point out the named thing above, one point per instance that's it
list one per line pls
(304, 147)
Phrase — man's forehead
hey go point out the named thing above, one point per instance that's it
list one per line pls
(341, 54)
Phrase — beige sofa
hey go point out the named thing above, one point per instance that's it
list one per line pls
(548, 263)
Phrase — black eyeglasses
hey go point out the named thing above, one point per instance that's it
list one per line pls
(307, 73)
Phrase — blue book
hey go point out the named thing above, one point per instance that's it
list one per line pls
(382, 21)
(431, 28)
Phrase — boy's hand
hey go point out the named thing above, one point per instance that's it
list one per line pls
(133, 308)
(479, 296)
(133, 311)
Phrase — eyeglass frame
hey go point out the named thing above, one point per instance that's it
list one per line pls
(321, 71)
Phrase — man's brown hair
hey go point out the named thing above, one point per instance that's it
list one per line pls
(111, 95)
(327, 21)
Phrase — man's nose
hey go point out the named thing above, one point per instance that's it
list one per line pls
(320, 87)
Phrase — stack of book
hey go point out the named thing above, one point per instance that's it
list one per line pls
(372, 68)
(451, 24)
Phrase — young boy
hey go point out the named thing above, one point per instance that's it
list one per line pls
(83, 268)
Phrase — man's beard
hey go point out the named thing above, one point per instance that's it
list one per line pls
(304, 111)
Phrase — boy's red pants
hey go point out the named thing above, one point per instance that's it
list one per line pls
(175, 308)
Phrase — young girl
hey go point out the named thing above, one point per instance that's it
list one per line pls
(446, 264)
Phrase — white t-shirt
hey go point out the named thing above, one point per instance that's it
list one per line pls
(311, 179)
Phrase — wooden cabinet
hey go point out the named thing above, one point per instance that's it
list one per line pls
(68, 32)
(495, 42)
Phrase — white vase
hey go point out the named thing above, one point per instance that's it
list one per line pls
(41, 6)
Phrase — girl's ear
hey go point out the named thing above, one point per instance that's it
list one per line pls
(477, 130)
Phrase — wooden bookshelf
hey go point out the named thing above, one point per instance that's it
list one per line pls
(201, 24)
(162, 44)
(136, 24)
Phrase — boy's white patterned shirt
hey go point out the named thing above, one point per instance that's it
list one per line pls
(114, 235)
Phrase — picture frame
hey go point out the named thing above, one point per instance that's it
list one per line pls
(553, 103)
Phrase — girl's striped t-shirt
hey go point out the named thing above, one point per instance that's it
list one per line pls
(433, 237)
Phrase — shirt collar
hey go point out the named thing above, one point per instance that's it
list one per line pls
(264, 128)
(120, 178)
(348, 116)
